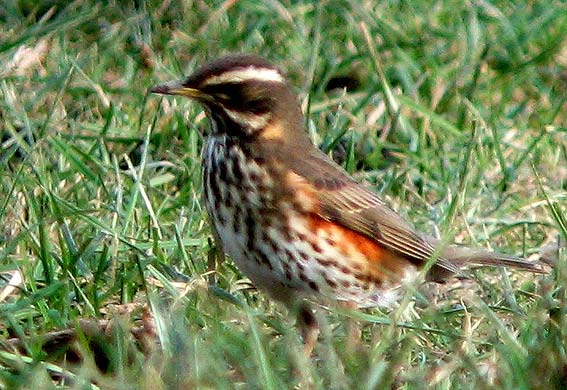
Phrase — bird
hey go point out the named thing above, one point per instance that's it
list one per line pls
(293, 221)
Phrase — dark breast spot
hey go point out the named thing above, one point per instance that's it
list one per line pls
(228, 199)
(316, 247)
(345, 270)
(254, 177)
(286, 234)
(237, 218)
(330, 282)
(273, 246)
(362, 276)
(264, 259)
(237, 171)
(236, 223)
(313, 286)
(223, 171)
(250, 230)
(376, 283)
(221, 219)
(324, 262)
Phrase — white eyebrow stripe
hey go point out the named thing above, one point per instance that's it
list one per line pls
(250, 73)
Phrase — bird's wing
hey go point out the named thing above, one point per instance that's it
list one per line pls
(341, 200)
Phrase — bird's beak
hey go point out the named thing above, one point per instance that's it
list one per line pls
(177, 88)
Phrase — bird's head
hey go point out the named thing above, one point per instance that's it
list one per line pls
(244, 96)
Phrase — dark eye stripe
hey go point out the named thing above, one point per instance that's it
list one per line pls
(245, 97)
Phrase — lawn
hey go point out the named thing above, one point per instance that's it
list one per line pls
(453, 111)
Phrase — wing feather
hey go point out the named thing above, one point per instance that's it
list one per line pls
(344, 201)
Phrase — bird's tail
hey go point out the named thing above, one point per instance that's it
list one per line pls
(464, 256)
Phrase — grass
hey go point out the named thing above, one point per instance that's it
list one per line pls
(457, 119)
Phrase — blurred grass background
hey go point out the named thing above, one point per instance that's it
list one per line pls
(454, 111)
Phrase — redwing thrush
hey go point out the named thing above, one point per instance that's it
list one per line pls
(294, 221)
